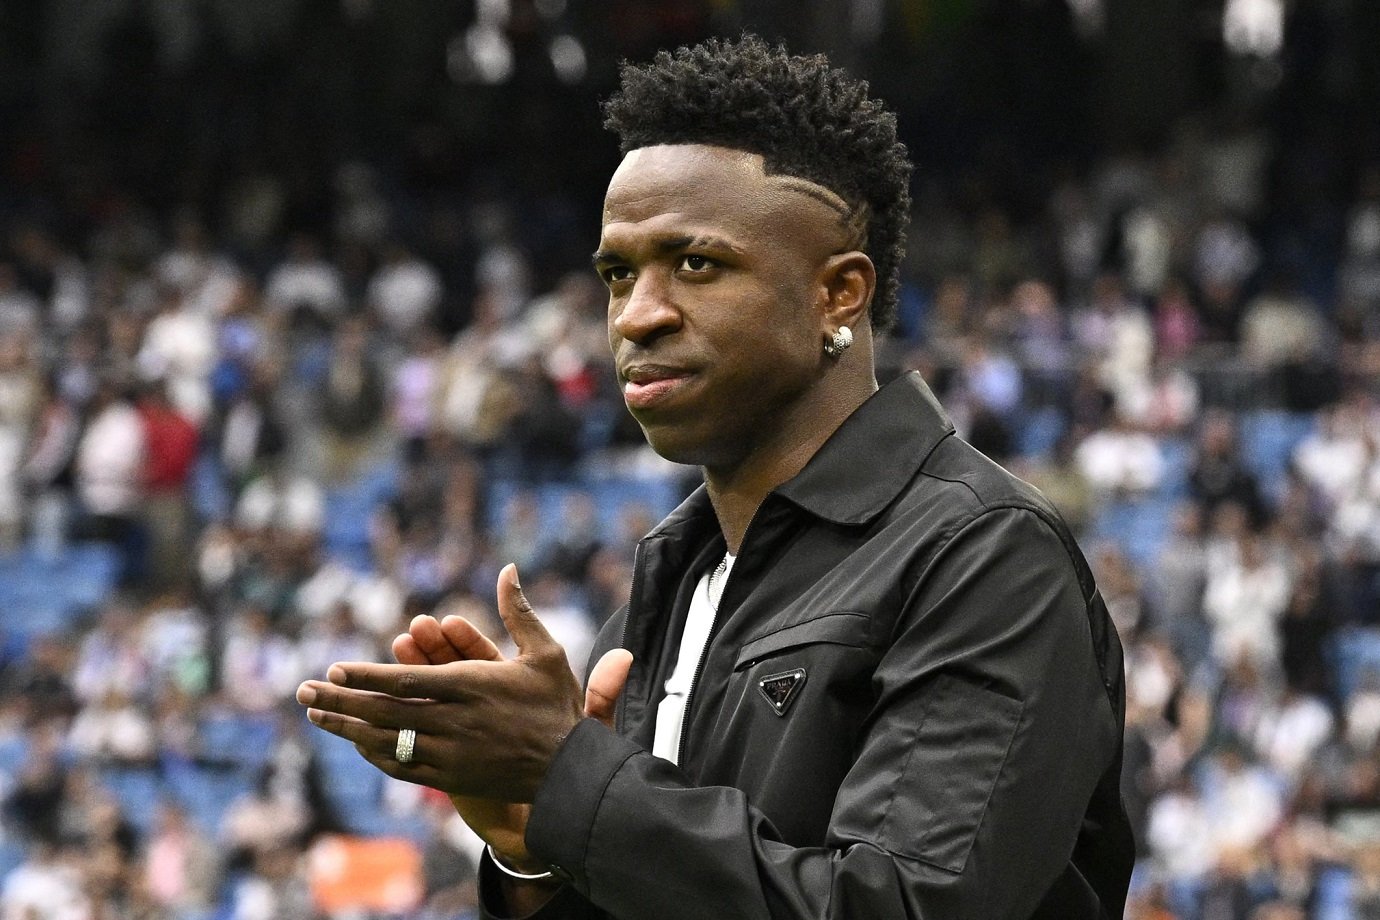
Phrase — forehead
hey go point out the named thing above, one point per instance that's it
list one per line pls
(683, 185)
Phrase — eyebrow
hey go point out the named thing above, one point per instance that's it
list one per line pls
(669, 245)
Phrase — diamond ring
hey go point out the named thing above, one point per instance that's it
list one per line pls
(407, 740)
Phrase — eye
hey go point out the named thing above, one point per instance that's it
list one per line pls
(693, 263)
(613, 274)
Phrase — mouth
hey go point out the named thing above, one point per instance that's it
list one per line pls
(645, 385)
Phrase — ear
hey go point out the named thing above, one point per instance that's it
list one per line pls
(847, 282)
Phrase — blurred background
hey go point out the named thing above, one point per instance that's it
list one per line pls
(298, 340)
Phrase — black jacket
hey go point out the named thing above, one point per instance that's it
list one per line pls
(911, 705)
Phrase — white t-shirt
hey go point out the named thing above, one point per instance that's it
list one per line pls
(670, 712)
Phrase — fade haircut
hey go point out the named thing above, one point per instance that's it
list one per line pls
(804, 117)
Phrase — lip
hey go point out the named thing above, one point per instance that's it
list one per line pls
(647, 385)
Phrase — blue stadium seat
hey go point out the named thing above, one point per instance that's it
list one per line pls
(205, 792)
(1039, 430)
(236, 739)
(139, 790)
(1355, 656)
(1139, 526)
(611, 494)
(353, 786)
(1178, 456)
(1268, 438)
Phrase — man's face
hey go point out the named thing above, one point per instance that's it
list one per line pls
(717, 293)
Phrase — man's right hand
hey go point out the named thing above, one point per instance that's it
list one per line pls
(502, 825)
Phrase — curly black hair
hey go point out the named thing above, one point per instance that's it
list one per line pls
(804, 117)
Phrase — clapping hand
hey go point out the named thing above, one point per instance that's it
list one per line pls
(486, 727)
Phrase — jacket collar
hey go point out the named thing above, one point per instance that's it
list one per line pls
(860, 470)
(875, 453)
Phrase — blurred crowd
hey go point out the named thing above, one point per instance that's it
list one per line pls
(289, 444)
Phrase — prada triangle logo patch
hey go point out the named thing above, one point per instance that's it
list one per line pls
(781, 689)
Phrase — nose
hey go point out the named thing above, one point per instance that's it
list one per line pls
(646, 313)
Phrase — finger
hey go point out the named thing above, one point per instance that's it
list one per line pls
(452, 639)
(406, 650)
(523, 625)
(468, 640)
(606, 684)
(379, 746)
(375, 708)
(431, 641)
(458, 681)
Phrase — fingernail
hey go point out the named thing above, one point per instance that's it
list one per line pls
(306, 694)
(315, 716)
(336, 674)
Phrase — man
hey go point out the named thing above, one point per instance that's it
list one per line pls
(870, 674)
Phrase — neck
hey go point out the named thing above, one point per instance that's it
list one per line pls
(738, 489)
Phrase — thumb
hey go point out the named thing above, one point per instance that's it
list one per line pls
(606, 684)
(522, 622)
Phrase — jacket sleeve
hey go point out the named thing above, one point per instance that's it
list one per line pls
(992, 726)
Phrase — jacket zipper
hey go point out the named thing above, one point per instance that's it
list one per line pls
(695, 681)
(639, 564)
(704, 653)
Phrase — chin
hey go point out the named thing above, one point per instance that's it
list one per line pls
(679, 444)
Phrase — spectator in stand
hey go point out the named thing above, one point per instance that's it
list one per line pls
(38, 686)
(567, 326)
(1333, 458)
(290, 504)
(110, 658)
(48, 467)
(352, 403)
(477, 402)
(1281, 326)
(259, 665)
(207, 281)
(1060, 479)
(180, 867)
(1218, 473)
(337, 638)
(1225, 257)
(417, 390)
(110, 470)
(171, 441)
(540, 441)
(1166, 402)
(47, 884)
(179, 349)
(1115, 333)
(275, 888)
(1291, 731)
(1308, 624)
(20, 310)
(1177, 328)
(305, 285)
(405, 292)
(575, 540)
(1360, 271)
(114, 729)
(1176, 583)
(20, 393)
(34, 797)
(1119, 583)
(1120, 460)
(1244, 599)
